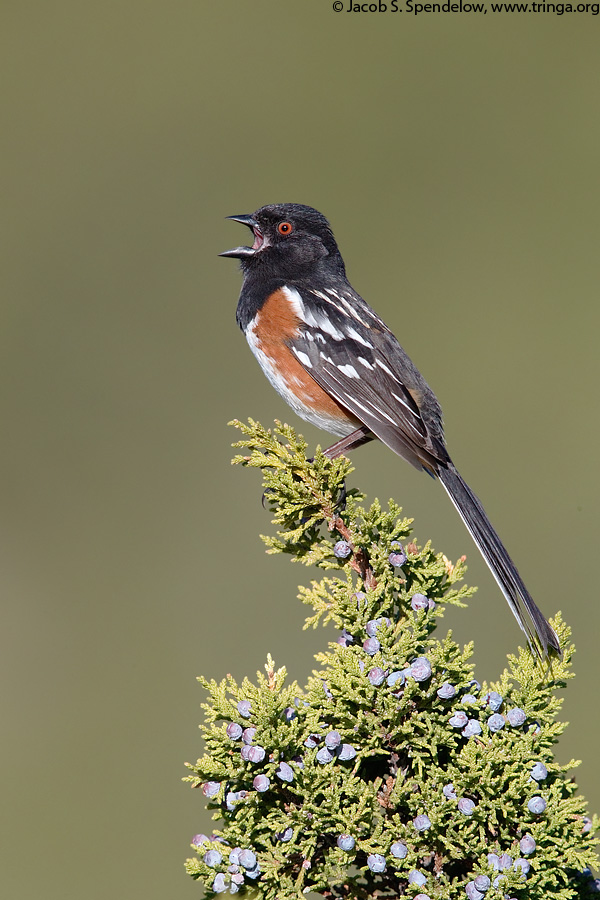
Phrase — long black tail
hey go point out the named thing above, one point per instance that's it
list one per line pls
(541, 636)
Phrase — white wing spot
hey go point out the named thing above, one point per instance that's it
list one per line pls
(364, 362)
(349, 370)
(329, 328)
(310, 319)
(353, 333)
(385, 368)
(303, 357)
(323, 297)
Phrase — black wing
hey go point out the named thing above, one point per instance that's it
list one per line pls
(353, 355)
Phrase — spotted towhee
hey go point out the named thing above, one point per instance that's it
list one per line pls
(340, 367)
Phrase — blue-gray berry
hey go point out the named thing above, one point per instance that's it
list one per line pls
(374, 624)
(399, 850)
(324, 756)
(212, 858)
(346, 842)
(333, 739)
(469, 699)
(247, 859)
(494, 700)
(285, 836)
(494, 860)
(261, 784)
(376, 862)
(199, 839)
(218, 885)
(527, 845)
(234, 731)
(416, 877)
(256, 753)
(539, 772)
(471, 729)
(253, 873)
(505, 861)
(537, 805)
(371, 646)
(248, 735)
(516, 717)
(472, 893)
(459, 719)
(522, 865)
(376, 676)
(419, 601)
(420, 669)
(446, 691)
(211, 789)
(482, 883)
(466, 806)
(285, 772)
(346, 751)
(421, 823)
(449, 792)
(495, 722)
(342, 549)
(244, 708)
(395, 679)
(398, 556)
(231, 799)
(361, 599)
(345, 638)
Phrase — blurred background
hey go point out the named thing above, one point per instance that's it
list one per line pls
(457, 159)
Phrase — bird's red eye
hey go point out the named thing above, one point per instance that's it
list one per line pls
(285, 228)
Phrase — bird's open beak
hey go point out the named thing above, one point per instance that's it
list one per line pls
(246, 252)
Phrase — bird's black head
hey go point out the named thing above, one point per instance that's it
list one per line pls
(290, 241)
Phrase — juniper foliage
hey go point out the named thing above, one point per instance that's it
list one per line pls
(392, 772)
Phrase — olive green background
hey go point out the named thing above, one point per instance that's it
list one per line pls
(457, 158)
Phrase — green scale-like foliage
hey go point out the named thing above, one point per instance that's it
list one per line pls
(371, 741)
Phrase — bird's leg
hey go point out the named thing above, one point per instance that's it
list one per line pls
(353, 440)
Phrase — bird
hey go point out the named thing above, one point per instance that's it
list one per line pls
(339, 367)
